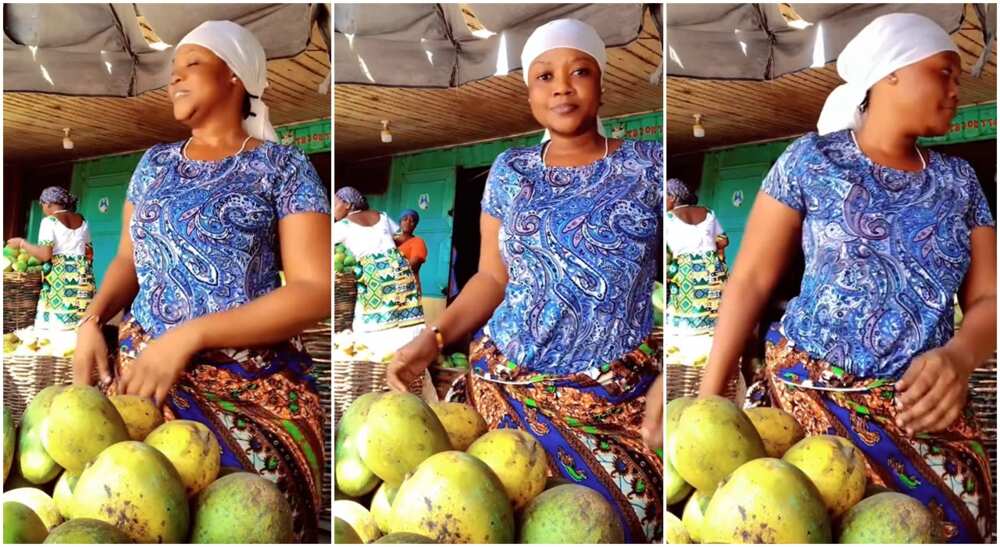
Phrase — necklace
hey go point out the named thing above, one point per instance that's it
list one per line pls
(238, 152)
(545, 152)
(923, 162)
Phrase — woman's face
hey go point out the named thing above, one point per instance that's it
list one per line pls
(925, 94)
(200, 82)
(564, 90)
(340, 208)
(408, 224)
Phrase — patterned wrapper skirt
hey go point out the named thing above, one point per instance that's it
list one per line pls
(949, 471)
(67, 289)
(588, 423)
(387, 293)
(694, 285)
(262, 406)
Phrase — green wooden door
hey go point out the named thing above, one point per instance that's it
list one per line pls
(101, 204)
(431, 192)
(732, 198)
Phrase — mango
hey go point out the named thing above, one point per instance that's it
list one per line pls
(381, 508)
(82, 422)
(766, 500)
(9, 440)
(888, 517)
(462, 423)
(35, 464)
(21, 524)
(343, 533)
(242, 508)
(359, 518)
(37, 501)
(712, 438)
(517, 459)
(674, 530)
(674, 486)
(835, 466)
(399, 433)
(192, 449)
(694, 514)
(570, 513)
(63, 493)
(140, 414)
(777, 428)
(453, 497)
(352, 476)
(89, 531)
(135, 488)
(404, 537)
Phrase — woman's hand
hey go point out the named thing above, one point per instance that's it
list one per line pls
(91, 350)
(932, 392)
(16, 243)
(652, 419)
(159, 365)
(412, 360)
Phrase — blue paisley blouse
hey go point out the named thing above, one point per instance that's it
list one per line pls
(580, 248)
(885, 252)
(204, 233)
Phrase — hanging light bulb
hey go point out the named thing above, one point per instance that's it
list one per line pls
(67, 142)
(386, 134)
(698, 129)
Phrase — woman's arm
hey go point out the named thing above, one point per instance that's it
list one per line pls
(772, 233)
(41, 252)
(118, 289)
(932, 392)
(470, 310)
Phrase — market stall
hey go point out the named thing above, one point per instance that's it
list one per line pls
(743, 82)
(83, 102)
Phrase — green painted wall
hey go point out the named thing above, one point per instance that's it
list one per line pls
(731, 177)
(101, 184)
(433, 173)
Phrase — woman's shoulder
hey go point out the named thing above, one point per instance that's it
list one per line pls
(652, 147)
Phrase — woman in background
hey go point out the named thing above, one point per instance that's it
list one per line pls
(696, 274)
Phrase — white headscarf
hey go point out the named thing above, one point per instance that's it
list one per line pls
(565, 33)
(243, 54)
(887, 44)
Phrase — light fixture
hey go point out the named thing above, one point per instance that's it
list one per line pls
(386, 134)
(618, 132)
(698, 129)
(67, 142)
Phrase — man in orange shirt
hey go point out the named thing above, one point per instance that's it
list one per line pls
(411, 246)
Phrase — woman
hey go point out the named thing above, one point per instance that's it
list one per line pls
(569, 238)
(388, 312)
(890, 232)
(413, 248)
(696, 273)
(63, 240)
(211, 334)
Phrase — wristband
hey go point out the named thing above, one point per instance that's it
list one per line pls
(438, 337)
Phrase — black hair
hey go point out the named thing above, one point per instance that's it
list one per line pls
(863, 107)
(246, 106)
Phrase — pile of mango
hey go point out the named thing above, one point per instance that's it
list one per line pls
(18, 260)
(27, 341)
(343, 260)
(85, 468)
(409, 472)
(734, 476)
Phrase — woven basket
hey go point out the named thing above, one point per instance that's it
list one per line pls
(352, 379)
(317, 343)
(683, 381)
(20, 299)
(983, 398)
(25, 375)
(345, 293)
